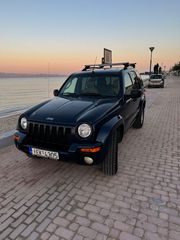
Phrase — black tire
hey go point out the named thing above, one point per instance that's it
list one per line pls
(110, 163)
(139, 119)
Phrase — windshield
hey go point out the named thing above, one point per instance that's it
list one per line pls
(158, 76)
(91, 85)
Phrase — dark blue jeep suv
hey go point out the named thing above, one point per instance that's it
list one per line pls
(87, 118)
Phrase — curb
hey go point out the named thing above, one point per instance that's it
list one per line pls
(6, 139)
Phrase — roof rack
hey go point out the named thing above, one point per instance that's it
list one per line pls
(110, 65)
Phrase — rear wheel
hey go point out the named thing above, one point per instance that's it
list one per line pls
(139, 119)
(110, 163)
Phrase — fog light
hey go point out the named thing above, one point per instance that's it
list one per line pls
(88, 160)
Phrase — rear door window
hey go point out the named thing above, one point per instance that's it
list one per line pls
(128, 84)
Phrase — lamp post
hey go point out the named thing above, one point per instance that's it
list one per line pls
(151, 49)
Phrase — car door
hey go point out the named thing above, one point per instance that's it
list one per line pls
(128, 103)
(136, 85)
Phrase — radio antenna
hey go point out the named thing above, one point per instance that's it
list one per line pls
(95, 63)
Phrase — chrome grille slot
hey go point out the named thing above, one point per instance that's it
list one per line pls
(45, 134)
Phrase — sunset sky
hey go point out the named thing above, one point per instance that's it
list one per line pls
(66, 34)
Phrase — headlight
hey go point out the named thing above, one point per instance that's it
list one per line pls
(84, 130)
(23, 123)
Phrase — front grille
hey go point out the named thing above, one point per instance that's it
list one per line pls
(46, 135)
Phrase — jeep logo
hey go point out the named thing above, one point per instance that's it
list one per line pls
(49, 118)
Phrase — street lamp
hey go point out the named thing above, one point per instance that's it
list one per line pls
(151, 49)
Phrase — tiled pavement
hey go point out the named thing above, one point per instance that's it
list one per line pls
(45, 199)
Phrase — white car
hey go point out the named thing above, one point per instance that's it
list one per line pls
(156, 80)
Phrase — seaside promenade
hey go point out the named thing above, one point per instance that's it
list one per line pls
(46, 199)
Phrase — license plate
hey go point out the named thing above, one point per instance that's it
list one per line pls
(43, 153)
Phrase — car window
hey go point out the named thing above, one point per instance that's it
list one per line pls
(92, 84)
(128, 84)
(133, 76)
(158, 76)
(137, 82)
(70, 87)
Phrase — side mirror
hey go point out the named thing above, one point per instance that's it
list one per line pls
(136, 93)
(56, 92)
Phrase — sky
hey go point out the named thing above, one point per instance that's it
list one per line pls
(60, 36)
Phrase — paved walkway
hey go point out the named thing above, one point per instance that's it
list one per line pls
(45, 199)
(8, 123)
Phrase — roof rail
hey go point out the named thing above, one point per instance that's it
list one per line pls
(110, 65)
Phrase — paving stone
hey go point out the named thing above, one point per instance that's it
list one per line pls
(54, 212)
(174, 235)
(163, 216)
(82, 221)
(32, 217)
(87, 232)
(139, 232)
(92, 208)
(147, 226)
(80, 212)
(43, 225)
(122, 204)
(64, 233)
(158, 221)
(51, 227)
(123, 226)
(127, 236)
(150, 236)
(70, 216)
(103, 205)
(78, 237)
(18, 221)
(17, 231)
(19, 212)
(114, 233)
(101, 236)
(29, 229)
(61, 221)
(74, 226)
(96, 217)
(54, 237)
(5, 233)
(34, 236)
(6, 223)
(45, 235)
(100, 228)
(175, 220)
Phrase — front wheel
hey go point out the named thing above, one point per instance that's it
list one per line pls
(139, 119)
(110, 163)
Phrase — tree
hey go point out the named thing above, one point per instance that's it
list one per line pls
(176, 67)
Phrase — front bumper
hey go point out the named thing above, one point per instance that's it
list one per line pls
(73, 152)
(156, 83)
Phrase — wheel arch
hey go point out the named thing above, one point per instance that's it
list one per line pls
(116, 123)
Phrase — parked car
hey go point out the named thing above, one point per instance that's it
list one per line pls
(156, 80)
(88, 117)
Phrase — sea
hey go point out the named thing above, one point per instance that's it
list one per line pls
(19, 94)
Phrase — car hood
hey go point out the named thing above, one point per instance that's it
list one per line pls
(70, 111)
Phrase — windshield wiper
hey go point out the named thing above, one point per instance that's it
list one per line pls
(91, 94)
(70, 94)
